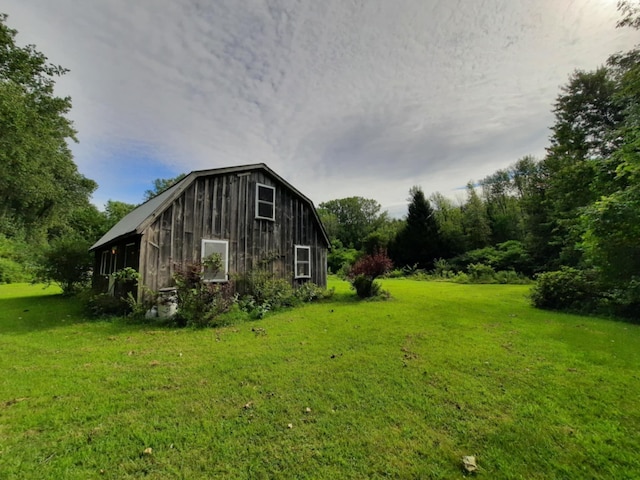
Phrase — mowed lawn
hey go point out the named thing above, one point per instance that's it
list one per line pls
(340, 389)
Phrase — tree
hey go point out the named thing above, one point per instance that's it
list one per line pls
(418, 243)
(39, 182)
(450, 229)
(581, 144)
(160, 185)
(503, 209)
(612, 223)
(475, 220)
(356, 218)
(115, 210)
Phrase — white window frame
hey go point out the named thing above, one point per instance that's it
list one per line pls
(258, 202)
(225, 259)
(300, 262)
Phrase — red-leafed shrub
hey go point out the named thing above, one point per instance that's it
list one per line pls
(365, 271)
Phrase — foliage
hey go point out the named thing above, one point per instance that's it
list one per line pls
(481, 273)
(351, 219)
(475, 220)
(448, 218)
(68, 263)
(364, 272)
(160, 185)
(200, 302)
(39, 182)
(14, 258)
(510, 255)
(114, 211)
(104, 304)
(310, 292)
(126, 274)
(418, 242)
(340, 258)
(365, 287)
(567, 289)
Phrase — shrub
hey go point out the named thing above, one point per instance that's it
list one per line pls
(267, 290)
(567, 289)
(511, 277)
(11, 271)
(200, 302)
(510, 255)
(103, 304)
(481, 273)
(624, 300)
(309, 292)
(364, 272)
(68, 263)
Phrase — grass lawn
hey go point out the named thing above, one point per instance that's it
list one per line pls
(340, 389)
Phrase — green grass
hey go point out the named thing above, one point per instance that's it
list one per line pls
(399, 389)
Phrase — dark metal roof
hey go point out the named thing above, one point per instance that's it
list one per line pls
(138, 219)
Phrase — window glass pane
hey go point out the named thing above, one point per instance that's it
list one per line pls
(265, 194)
(219, 247)
(303, 270)
(303, 254)
(104, 263)
(265, 210)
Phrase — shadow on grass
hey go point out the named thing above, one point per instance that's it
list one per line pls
(42, 312)
(35, 309)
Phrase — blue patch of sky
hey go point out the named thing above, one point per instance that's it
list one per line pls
(125, 175)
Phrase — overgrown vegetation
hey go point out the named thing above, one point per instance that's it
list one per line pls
(200, 303)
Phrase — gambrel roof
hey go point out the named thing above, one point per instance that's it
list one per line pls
(138, 219)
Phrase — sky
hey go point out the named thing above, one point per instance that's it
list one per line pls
(340, 97)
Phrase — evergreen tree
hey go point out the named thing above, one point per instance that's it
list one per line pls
(418, 243)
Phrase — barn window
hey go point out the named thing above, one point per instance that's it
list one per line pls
(104, 263)
(303, 261)
(130, 255)
(108, 261)
(265, 202)
(221, 247)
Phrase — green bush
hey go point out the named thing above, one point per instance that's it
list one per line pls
(624, 300)
(511, 255)
(567, 289)
(481, 273)
(68, 263)
(201, 302)
(12, 272)
(365, 286)
(511, 277)
(103, 304)
(267, 290)
(309, 292)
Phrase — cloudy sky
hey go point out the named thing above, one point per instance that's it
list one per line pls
(340, 97)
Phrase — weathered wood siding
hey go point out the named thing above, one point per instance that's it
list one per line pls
(222, 207)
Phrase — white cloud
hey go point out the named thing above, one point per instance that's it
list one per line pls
(340, 97)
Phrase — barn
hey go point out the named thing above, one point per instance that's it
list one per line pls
(248, 214)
